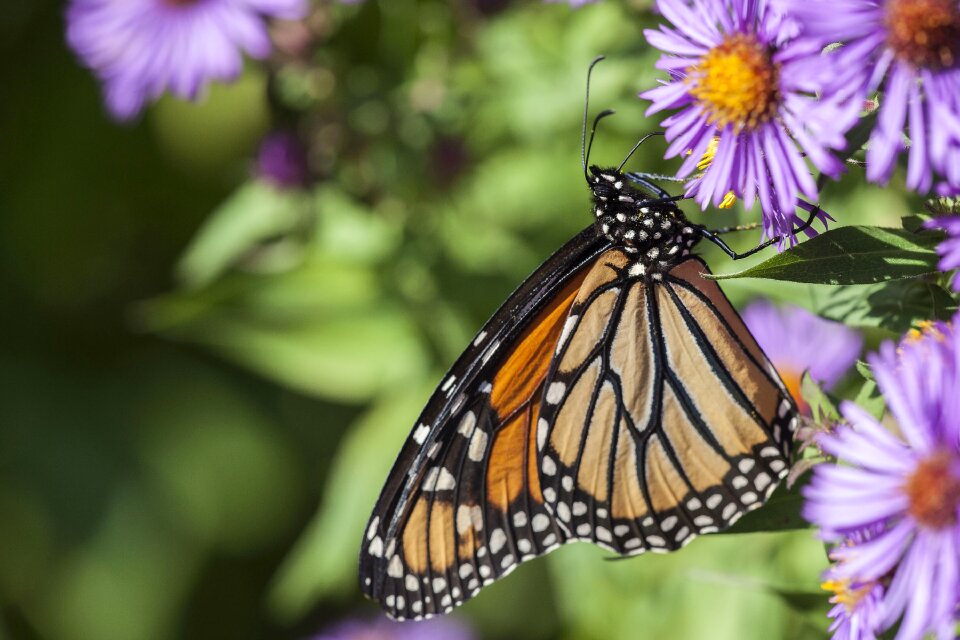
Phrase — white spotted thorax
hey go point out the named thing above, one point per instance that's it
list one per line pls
(656, 234)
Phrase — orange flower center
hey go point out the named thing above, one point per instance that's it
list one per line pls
(924, 33)
(737, 83)
(792, 380)
(934, 491)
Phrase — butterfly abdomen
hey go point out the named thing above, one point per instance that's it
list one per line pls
(655, 234)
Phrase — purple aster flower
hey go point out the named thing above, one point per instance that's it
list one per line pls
(949, 249)
(856, 612)
(786, 334)
(734, 76)
(141, 48)
(911, 50)
(906, 486)
(383, 629)
(282, 161)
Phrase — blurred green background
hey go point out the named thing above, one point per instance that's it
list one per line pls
(203, 380)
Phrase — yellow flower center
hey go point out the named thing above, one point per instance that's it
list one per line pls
(934, 491)
(925, 329)
(845, 593)
(737, 83)
(924, 33)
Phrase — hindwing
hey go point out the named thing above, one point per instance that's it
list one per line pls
(661, 417)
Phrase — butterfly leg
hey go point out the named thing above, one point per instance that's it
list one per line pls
(713, 235)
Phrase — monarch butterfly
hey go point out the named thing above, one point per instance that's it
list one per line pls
(616, 397)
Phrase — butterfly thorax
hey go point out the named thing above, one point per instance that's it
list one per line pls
(655, 233)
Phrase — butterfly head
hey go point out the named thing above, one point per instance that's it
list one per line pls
(656, 232)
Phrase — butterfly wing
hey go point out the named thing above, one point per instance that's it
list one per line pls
(462, 505)
(661, 416)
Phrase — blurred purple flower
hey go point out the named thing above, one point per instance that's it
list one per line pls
(797, 341)
(910, 48)
(141, 48)
(735, 77)
(907, 488)
(949, 249)
(856, 612)
(282, 161)
(383, 629)
(573, 3)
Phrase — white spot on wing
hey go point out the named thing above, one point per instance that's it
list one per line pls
(540, 522)
(446, 480)
(565, 334)
(555, 392)
(497, 539)
(420, 433)
(762, 481)
(548, 466)
(478, 445)
(467, 424)
(448, 383)
(463, 519)
(395, 567)
(479, 338)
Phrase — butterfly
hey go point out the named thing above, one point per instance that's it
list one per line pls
(616, 397)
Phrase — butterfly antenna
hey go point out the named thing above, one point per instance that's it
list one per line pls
(637, 146)
(593, 130)
(586, 112)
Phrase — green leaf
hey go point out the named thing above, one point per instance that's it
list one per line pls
(869, 398)
(895, 306)
(851, 255)
(780, 513)
(324, 561)
(802, 600)
(254, 214)
(823, 406)
(915, 222)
